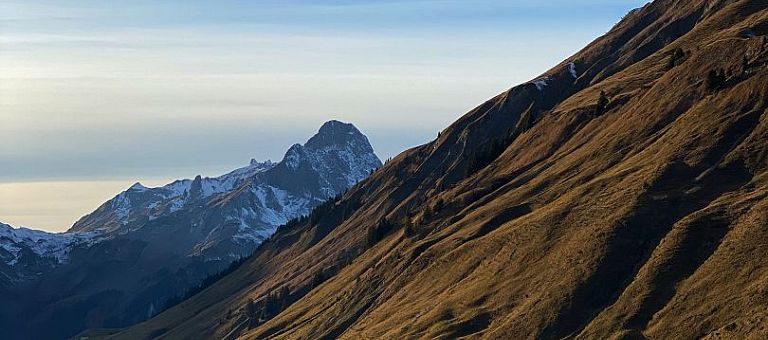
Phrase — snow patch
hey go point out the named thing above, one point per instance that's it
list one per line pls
(572, 70)
(47, 245)
(541, 83)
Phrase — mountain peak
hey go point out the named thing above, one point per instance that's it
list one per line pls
(256, 163)
(335, 125)
(137, 187)
(336, 134)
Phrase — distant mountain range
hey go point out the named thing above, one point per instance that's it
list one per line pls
(119, 264)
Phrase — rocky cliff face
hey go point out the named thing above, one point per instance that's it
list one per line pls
(147, 245)
(623, 194)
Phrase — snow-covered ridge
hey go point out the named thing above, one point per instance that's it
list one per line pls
(210, 185)
(46, 245)
(236, 211)
(179, 192)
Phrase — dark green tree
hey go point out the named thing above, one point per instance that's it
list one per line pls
(378, 231)
(318, 279)
(602, 104)
(676, 55)
(427, 213)
(410, 229)
(439, 205)
(715, 79)
(250, 308)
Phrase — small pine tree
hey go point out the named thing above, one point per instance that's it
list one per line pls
(711, 81)
(377, 232)
(439, 205)
(676, 55)
(602, 104)
(285, 294)
(318, 279)
(671, 62)
(410, 230)
(427, 213)
(370, 238)
(715, 79)
(250, 308)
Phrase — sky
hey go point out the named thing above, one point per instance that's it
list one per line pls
(96, 95)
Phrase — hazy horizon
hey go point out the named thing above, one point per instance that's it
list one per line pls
(95, 96)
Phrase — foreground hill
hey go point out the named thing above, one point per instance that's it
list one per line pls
(623, 194)
(139, 251)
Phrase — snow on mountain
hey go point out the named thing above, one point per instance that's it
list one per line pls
(329, 163)
(161, 242)
(151, 202)
(341, 147)
(226, 216)
(45, 245)
(142, 201)
(541, 83)
(572, 70)
(243, 207)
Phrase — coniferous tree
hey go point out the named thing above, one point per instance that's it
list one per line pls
(439, 205)
(711, 81)
(409, 229)
(318, 279)
(427, 213)
(250, 308)
(370, 238)
(676, 55)
(715, 79)
(377, 232)
(285, 294)
(602, 104)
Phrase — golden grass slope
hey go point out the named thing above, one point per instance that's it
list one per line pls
(647, 221)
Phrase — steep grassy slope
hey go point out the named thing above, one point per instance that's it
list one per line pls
(543, 212)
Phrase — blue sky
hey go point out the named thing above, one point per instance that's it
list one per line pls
(160, 88)
(150, 90)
